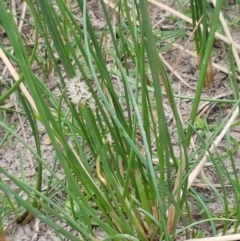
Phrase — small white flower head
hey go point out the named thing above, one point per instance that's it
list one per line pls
(108, 139)
(78, 91)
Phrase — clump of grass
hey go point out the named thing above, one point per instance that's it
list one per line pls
(107, 126)
(201, 25)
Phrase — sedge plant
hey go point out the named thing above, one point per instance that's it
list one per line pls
(106, 125)
(201, 25)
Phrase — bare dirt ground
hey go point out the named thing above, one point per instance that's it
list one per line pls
(12, 153)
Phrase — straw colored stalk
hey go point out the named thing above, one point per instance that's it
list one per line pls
(209, 79)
